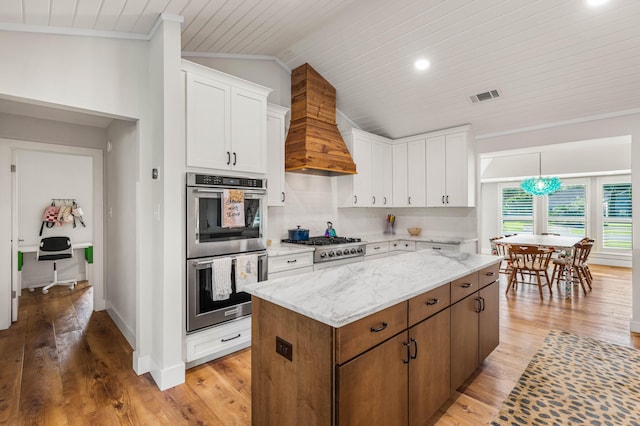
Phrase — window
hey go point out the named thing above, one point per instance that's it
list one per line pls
(566, 211)
(517, 211)
(616, 216)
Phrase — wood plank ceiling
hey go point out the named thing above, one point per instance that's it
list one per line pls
(551, 60)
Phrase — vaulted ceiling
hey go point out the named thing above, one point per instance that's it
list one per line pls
(550, 60)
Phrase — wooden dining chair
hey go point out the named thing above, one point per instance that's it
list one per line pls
(501, 249)
(574, 266)
(532, 261)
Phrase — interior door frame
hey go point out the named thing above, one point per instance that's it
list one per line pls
(16, 282)
(98, 201)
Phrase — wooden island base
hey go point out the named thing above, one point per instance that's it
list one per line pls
(396, 366)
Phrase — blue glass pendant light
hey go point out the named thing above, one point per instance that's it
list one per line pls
(541, 185)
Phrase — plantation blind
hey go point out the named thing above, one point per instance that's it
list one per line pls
(616, 216)
(566, 211)
(517, 211)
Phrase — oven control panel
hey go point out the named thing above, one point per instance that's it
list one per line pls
(224, 181)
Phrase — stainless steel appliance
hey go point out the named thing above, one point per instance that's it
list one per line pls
(202, 310)
(334, 251)
(205, 234)
(209, 239)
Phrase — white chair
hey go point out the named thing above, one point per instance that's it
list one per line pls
(54, 249)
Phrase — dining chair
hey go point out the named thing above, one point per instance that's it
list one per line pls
(501, 249)
(574, 266)
(586, 265)
(532, 261)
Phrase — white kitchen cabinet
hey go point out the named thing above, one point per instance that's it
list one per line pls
(399, 158)
(382, 174)
(218, 341)
(372, 185)
(376, 250)
(226, 121)
(276, 133)
(289, 264)
(466, 246)
(416, 174)
(450, 171)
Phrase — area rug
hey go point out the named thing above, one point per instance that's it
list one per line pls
(576, 380)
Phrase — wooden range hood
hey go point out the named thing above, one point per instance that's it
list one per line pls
(314, 144)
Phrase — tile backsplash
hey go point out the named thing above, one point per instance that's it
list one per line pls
(311, 202)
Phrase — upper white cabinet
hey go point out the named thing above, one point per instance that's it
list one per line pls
(372, 185)
(400, 195)
(276, 133)
(226, 121)
(450, 171)
(416, 195)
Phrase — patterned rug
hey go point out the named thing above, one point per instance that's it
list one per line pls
(576, 380)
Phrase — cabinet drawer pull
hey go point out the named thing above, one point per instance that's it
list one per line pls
(377, 248)
(385, 200)
(443, 199)
(234, 158)
(447, 199)
(432, 302)
(230, 338)
(490, 274)
(437, 248)
(482, 306)
(283, 197)
(355, 199)
(409, 200)
(466, 285)
(377, 330)
(478, 305)
(373, 199)
(408, 346)
(415, 343)
(228, 158)
(292, 261)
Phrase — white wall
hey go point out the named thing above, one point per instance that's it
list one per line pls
(121, 175)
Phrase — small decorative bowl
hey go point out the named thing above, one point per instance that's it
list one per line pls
(414, 231)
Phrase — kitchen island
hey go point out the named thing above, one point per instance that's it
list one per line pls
(378, 342)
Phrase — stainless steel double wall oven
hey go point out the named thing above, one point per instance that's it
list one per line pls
(208, 239)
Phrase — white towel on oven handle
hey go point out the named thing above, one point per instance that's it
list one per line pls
(221, 278)
(246, 271)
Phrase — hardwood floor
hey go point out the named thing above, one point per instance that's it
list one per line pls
(62, 363)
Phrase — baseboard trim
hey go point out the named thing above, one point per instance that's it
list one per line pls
(126, 331)
(169, 377)
(634, 326)
(141, 364)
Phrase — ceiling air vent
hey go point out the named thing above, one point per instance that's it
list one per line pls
(485, 96)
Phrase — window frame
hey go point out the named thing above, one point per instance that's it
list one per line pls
(599, 223)
(507, 185)
(544, 201)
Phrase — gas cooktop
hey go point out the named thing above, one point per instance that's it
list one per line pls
(333, 248)
(324, 241)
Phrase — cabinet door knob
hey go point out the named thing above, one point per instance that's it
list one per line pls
(377, 330)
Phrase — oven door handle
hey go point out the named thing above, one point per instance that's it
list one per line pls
(219, 191)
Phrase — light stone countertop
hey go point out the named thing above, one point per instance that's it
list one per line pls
(288, 249)
(378, 238)
(344, 294)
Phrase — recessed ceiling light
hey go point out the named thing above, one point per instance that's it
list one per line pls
(422, 64)
(596, 3)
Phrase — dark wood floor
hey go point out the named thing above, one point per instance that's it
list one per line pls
(63, 364)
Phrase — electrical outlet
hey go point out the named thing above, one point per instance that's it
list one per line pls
(284, 348)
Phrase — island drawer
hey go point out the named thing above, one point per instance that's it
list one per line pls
(463, 287)
(488, 274)
(429, 303)
(357, 337)
(288, 262)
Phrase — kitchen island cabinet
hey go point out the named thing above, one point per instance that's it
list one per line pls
(364, 343)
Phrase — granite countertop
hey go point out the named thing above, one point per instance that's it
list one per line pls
(287, 249)
(378, 238)
(344, 294)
